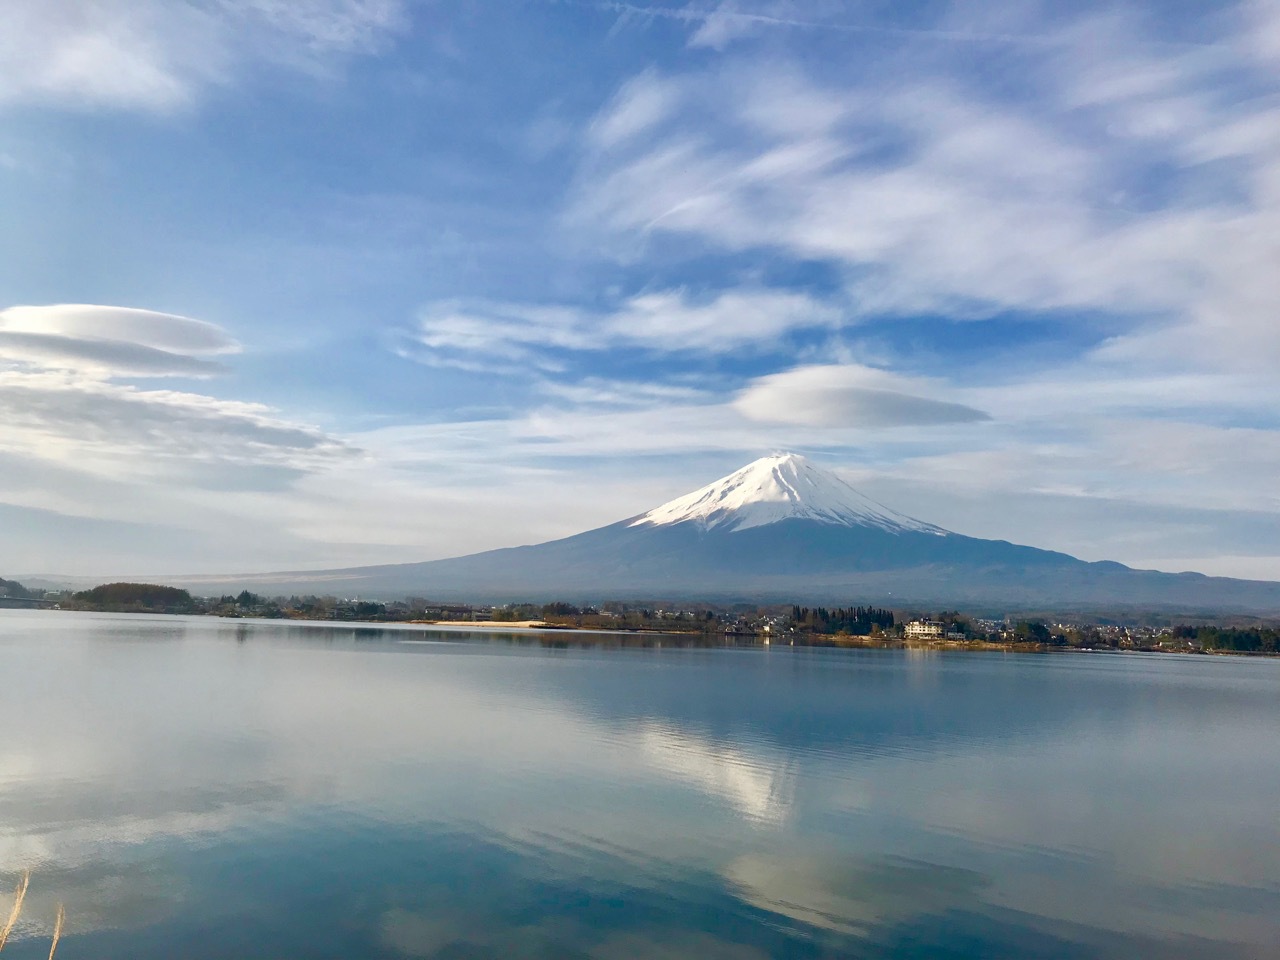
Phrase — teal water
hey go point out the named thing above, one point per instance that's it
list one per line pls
(198, 788)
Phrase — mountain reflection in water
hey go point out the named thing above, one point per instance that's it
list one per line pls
(203, 788)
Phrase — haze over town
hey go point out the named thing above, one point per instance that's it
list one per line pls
(324, 283)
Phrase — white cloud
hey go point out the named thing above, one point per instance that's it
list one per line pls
(639, 106)
(1262, 28)
(1131, 180)
(53, 350)
(110, 341)
(145, 54)
(601, 392)
(674, 422)
(343, 26)
(58, 417)
(98, 474)
(163, 331)
(850, 396)
(986, 211)
(721, 27)
(718, 25)
(671, 321)
(61, 402)
(484, 335)
(157, 55)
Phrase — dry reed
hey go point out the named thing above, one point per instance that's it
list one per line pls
(57, 929)
(19, 895)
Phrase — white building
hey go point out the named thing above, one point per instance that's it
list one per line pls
(923, 630)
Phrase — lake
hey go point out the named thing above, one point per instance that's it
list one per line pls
(201, 788)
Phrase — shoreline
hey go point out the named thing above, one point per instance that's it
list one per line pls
(708, 639)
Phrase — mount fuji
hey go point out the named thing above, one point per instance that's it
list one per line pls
(781, 529)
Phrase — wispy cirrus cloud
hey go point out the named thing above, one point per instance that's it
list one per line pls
(605, 393)
(158, 55)
(1131, 178)
(481, 335)
(326, 26)
(58, 417)
(716, 24)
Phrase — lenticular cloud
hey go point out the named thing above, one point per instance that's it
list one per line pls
(111, 341)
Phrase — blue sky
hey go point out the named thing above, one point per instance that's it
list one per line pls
(322, 282)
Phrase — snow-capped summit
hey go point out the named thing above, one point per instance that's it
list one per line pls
(780, 487)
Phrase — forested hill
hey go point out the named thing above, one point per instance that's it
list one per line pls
(133, 598)
(12, 589)
(1234, 639)
(855, 621)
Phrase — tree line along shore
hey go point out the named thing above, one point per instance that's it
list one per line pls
(852, 625)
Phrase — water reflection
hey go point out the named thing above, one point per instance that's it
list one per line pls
(759, 789)
(852, 895)
(202, 788)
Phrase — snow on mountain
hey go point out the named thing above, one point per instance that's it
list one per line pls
(780, 487)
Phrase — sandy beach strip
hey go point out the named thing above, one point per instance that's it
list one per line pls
(491, 624)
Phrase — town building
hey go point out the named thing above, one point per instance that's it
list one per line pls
(923, 630)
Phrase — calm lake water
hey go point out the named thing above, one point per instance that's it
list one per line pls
(200, 788)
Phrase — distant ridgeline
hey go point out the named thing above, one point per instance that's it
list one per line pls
(133, 598)
(855, 621)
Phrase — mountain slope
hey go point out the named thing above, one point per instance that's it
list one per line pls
(779, 529)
